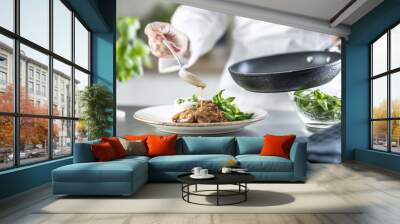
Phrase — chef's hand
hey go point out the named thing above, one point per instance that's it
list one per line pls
(158, 31)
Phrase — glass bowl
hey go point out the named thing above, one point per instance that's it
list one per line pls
(317, 109)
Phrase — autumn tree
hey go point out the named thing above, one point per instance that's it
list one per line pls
(380, 127)
(33, 131)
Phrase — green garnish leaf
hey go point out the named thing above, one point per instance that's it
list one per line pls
(228, 107)
(319, 105)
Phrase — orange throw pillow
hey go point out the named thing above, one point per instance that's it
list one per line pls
(136, 137)
(116, 145)
(103, 152)
(275, 145)
(161, 145)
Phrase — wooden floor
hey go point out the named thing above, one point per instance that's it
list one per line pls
(379, 189)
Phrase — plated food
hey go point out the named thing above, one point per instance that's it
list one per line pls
(218, 109)
(193, 115)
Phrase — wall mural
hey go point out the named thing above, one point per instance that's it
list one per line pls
(189, 71)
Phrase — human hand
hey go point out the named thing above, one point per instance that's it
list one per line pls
(159, 31)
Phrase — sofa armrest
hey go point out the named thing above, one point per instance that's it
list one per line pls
(298, 155)
(83, 152)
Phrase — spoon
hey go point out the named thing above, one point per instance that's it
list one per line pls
(183, 73)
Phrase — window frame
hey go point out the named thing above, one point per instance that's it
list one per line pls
(16, 114)
(388, 74)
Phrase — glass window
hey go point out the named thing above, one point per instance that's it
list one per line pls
(7, 14)
(379, 135)
(35, 143)
(81, 131)
(81, 82)
(61, 75)
(384, 80)
(395, 95)
(81, 45)
(379, 98)
(33, 140)
(3, 61)
(6, 142)
(40, 62)
(395, 47)
(395, 136)
(62, 29)
(62, 137)
(6, 73)
(30, 87)
(35, 21)
(379, 56)
(30, 72)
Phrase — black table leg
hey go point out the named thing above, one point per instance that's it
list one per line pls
(246, 190)
(217, 194)
(195, 188)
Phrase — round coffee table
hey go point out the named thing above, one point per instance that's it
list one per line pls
(238, 179)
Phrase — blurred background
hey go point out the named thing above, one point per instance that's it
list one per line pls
(140, 89)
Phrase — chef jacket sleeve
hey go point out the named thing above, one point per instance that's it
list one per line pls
(203, 29)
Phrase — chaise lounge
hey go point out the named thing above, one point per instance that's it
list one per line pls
(125, 176)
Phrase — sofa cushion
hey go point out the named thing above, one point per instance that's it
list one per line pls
(83, 152)
(249, 145)
(257, 163)
(159, 145)
(103, 152)
(112, 171)
(277, 145)
(185, 163)
(208, 145)
(116, 145)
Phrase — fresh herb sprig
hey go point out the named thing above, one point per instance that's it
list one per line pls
(228, 107)
(319, 105)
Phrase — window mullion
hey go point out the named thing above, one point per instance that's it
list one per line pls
(16, 84)
(50, 81)
(389, 104)
(73, 82)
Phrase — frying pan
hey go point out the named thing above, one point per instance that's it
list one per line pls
(286, 72)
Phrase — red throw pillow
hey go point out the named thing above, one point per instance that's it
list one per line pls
(116, 145)
(277, 145)
(161, 145)
(103, 152)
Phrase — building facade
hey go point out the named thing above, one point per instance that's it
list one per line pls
(34, 81)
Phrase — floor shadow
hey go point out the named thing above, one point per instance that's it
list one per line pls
(256, 198)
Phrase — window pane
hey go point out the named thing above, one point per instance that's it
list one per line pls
(81, 45)
(379, 135)
(379, 97)
(62, 89)
(6, 142)
(379, 55)
(81, 131)
(62, 29)
(395, 94)
(6, 75)
(62, 137)
(81, 81)
(7, 14)
(395, 136)
(34, 72)
(395, 47)
(35, 21)
(33, 139)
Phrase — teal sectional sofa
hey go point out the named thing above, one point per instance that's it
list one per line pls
(125, 176)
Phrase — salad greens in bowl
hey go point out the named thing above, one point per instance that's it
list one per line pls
(317, 109)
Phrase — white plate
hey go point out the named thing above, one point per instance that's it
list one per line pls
(208, 176)
(161, 118)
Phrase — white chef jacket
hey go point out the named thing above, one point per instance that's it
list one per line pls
(250, 38)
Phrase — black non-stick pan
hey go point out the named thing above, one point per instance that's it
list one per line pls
(286, 72)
